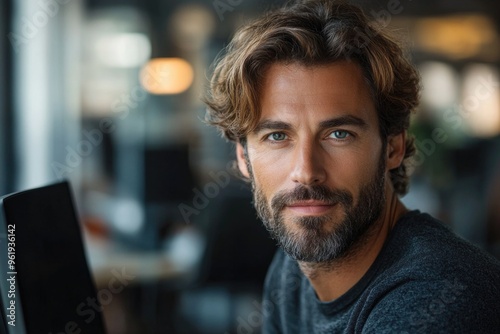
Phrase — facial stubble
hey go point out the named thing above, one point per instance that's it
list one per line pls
(311, 241)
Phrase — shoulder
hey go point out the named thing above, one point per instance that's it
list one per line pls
(422, 244)
(446, 305)
(435, 280)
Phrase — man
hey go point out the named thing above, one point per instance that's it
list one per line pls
(318, 101)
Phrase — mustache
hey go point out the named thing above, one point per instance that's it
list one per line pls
(315, 192)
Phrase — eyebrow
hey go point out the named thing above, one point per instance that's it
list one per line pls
(343, 120)
(271, 125)
(329, 123)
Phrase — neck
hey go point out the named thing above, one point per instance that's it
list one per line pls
(334, 279)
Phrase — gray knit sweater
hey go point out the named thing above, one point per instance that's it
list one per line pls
(425, 280)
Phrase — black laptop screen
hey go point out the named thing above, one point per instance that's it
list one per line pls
(52, 273)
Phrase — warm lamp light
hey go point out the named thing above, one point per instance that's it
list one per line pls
(166, 76)
(459, 36)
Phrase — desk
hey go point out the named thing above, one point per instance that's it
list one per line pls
(179, 259)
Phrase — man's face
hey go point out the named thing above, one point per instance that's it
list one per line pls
(316, 159)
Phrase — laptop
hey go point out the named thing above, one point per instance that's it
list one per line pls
(45, 283)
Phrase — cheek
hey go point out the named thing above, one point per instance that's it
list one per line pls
(352, 168)
(269, 170)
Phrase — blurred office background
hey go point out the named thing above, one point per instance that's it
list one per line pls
(106, 93)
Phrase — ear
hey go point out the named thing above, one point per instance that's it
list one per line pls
(240, 156)
(395, 152)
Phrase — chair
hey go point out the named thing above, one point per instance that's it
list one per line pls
(237, 256)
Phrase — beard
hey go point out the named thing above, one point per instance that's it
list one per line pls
(312, 241)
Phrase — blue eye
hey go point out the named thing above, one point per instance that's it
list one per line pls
(277, 136)
(340, 134)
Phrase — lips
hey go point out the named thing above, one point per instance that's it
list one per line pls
(310, 207)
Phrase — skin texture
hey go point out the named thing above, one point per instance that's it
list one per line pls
(319, 130)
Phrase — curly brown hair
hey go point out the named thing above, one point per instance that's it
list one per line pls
(314, 32)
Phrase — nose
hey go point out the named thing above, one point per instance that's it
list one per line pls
(308, 164)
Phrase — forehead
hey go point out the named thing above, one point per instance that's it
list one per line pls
(320, 91)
